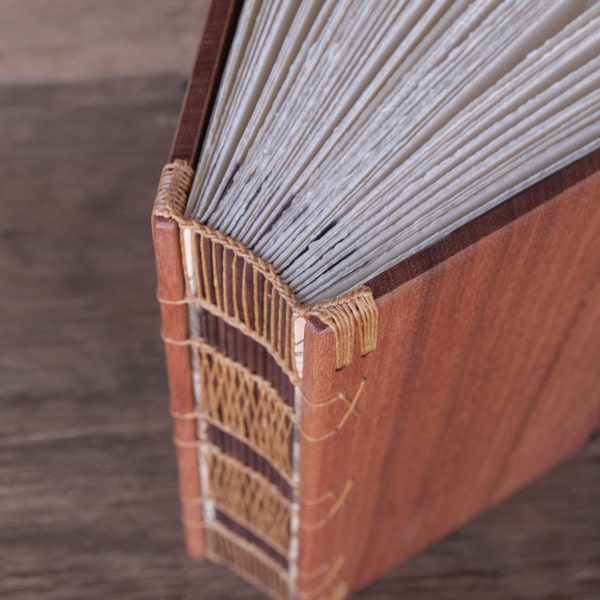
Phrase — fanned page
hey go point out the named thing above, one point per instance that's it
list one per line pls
(348, 135)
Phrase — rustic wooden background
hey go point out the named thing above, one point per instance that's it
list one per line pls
(89, 95)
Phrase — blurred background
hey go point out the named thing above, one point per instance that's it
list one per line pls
(89, 96)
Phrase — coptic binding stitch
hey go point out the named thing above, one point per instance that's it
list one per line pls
(244, 292)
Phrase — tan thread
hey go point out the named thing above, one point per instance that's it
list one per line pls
(200, 444)
(283, 361)
(197, 444)
(225, 508)
(262, 306)
(261, 324)
(342, 421)
(246, 404)
(249, 561)
(243, 402)
(341, 314)
(190, 416)
(180, 443)
(249, 498)
(178, 302)
(175, 183)
(256, 531)
(324, 498)
(341, 396)
(340, 591)
(330, 495)
(212, 292)
(327, 581)
(331, 512)
(352, 409)
(195, 501)
(189, 524)
(344, 347)
(321, 570)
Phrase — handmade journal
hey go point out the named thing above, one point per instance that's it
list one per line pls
(378, 253)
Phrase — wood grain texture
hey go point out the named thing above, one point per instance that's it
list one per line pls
(174, 320)
(52, 41)
(204, 79)
(485, 376)
(88, 478)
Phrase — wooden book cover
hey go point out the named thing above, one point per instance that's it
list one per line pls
(320, 445)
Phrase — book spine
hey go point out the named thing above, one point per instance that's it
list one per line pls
(175, 331)
(234, 414)
(201, 90)
(237, 415)
(233, 336)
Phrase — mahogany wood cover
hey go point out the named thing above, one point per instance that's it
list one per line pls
(484, 377)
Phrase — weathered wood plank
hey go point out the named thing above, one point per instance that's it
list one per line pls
(70, 40)
(88, 483)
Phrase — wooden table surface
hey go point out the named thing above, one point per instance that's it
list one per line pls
(88, 505)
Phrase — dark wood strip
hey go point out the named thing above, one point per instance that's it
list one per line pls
(233, 343)
(175, 327)
(204, 80)
(486, 224)
(247, 535)
(236, 448)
